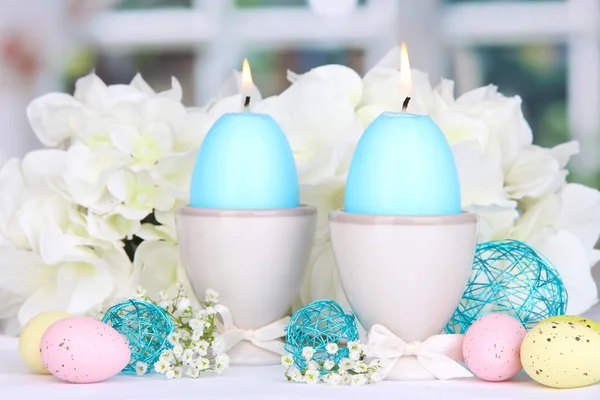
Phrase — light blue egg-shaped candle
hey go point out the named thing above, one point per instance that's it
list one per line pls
(245, 163)
(403, 165)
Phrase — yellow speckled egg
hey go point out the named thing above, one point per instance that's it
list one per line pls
(31, 336)
(574, 318)
(562, 354)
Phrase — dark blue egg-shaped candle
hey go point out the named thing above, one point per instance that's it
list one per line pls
(403, 165)
(245, 163)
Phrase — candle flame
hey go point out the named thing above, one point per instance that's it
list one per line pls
(406, 85)
(247, 83)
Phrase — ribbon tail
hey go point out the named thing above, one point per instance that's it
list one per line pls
(443, 367)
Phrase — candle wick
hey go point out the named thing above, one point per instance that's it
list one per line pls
(405, 104)
(247, 103)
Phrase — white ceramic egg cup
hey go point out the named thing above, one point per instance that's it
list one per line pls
(405, 273)
(255, 260)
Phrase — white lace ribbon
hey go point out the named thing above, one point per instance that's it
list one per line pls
(266, 337)
(432, 354)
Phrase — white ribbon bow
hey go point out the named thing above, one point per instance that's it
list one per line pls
(265, 337)
(432, 354)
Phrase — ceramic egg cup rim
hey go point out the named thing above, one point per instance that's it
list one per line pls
(341, 217)
(303, 210)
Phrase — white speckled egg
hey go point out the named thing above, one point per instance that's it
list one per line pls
(83, 350)
(562, 354)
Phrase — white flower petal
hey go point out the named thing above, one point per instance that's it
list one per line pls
(156, 265)
(88, 283)
(481, 177)
(563, 152)
(569, 256)
(40, 166)
(92, 91)
(124, 138)
(140, 84)
(348, 82)
(122, 185)
(580, 213)
(50, 116)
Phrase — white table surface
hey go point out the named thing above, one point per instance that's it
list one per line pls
(264, 383)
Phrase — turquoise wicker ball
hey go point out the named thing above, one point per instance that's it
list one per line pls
(146, 328)
(512, 278)
(318, 324)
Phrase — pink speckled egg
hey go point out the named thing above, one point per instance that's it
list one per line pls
(492, 347)
(83, 350)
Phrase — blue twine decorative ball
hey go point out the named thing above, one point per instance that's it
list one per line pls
(146, 328)
(318, 324)
(510, 277)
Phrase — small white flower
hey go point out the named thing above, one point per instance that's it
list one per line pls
(328, 365)
(201, 347)
(374, 364)
(196, 324)
(170, 373)
(162, 295)
(296, 376)
(313, 365)
(354, 355)
(139, 292)
(167, 356)
(203, 363)
(162, 366)
(177, 372)
(188, 356)
(287, 360)
(192, 372)
(346, 364)
(354, 346)
(178, 350)
(358, 380)
(210, 311)
(185, 335)
(218, 345)
(375, 377)
(308, 353)
(222, 359)
(312, 376)
(164, 304)
(332, 348)
(197, 335)
(201, 314)
(334, 379)
(219, 368)
(360, 367)
(174, 337)
(211, 296)
(141, 368)
(183, 303)
(207, 325)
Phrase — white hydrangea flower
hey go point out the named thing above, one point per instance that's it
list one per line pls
(332, 348)
(312, 376)
(308, 353)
